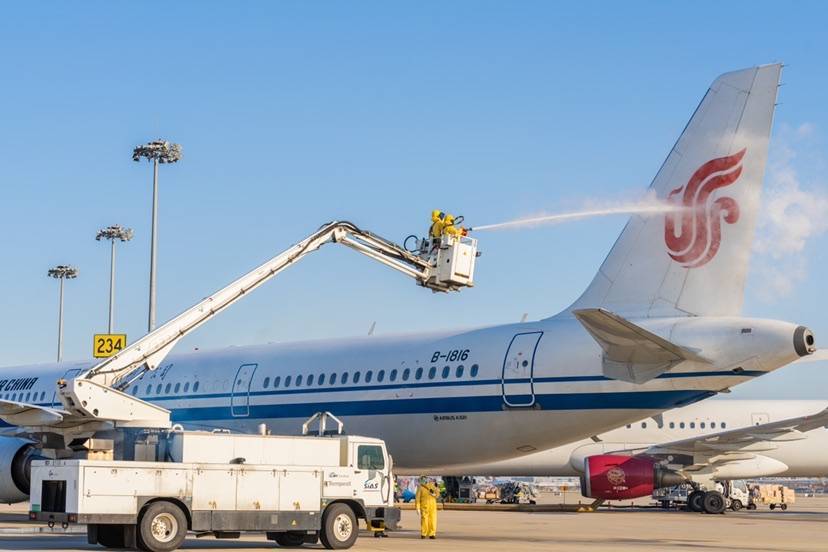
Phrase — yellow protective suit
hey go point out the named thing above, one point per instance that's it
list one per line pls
(426, 503)
(436, 229)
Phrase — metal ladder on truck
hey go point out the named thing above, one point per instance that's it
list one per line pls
(98, 394)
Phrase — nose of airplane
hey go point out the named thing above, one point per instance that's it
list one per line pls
(803, 341)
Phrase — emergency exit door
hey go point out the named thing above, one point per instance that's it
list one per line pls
(518, 370)
(240, 400)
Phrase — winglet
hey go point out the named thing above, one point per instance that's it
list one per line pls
(632, 353)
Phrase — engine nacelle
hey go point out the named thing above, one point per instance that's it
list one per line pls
(16, 457)
(616, 477)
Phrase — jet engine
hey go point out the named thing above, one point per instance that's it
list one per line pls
(616, 477)
(16, 457)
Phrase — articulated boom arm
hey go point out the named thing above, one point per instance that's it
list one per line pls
(97, 393)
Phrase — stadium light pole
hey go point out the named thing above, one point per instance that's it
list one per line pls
(157, 151)
(62, 272)
(112, 233)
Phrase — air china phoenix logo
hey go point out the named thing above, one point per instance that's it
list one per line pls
(616, 476)
(699, 223)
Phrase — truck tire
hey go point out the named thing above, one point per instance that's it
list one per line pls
(735, 505)
(773, 506)
(162, 527)
(714, 502)
(339, 527)
(784, 507)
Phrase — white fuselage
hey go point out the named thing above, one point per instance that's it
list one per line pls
(441, 400)
(806, 457)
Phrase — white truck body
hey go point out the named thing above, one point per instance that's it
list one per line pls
(224, 483)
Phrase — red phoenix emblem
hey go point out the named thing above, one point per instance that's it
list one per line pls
(700, 220)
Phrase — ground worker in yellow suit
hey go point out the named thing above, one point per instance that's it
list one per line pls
(426, 504)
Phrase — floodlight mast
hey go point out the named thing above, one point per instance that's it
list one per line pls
(157, 151)
(113, 233)
(61, 273)
(99, 392)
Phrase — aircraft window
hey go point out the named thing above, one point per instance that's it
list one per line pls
(702, 425)
(713, 425)
(134, 390)
(177, 387)
(332, 379)
(266, 383)
(459, 372)
(158, 389)
(276, 381)
(473, 371)
(406, 374)
(167, 388)
(369, 375)
(692, 425)
(195, 386)
(149, 390)
(681, 425)
(42, 395)
(393, 375)
(28, 396)
(446, 370)
(659, 424)
(629, 426)
(187, 387)
(432, 372)
(380, 375)
(287, 381)
(672, 425)
(14, 397)
(310, 380)
(357, 376)
(344, 379)
(321, 380)
(419, 374)
(299, 380)
(723, 425)
(643, 425)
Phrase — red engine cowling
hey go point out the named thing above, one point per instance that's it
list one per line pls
(616, 477)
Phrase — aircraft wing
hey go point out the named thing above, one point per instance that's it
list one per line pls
(753, 438)
(24, 414)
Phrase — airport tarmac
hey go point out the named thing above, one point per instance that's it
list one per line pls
(802, 528)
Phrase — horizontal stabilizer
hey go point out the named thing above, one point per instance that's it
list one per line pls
(631, 353)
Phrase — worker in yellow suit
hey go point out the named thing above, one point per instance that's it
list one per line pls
(426, 504)
(436, 230)
(450, 229)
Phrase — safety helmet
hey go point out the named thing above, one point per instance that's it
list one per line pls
(436, 215)
(449, 220)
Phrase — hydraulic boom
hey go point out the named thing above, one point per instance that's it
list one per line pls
(98, 393)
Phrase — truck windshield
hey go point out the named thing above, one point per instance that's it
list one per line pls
(370, 457)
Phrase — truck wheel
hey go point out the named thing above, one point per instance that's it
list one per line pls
(694, 501)
(751, 506)
(162, 528)
(773, 506)
(735, 505)
(714, 502)
(339, 527)
(784, 507)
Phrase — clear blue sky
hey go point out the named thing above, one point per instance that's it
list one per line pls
(295, 113)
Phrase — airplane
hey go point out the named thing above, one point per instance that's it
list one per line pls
(716, 439)
(659, 327)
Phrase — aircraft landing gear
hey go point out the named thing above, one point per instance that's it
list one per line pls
(695, 501)
(714, 502)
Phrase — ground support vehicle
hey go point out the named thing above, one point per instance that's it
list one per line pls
(295, 489)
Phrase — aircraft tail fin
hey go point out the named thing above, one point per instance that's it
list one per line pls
(695, 261)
